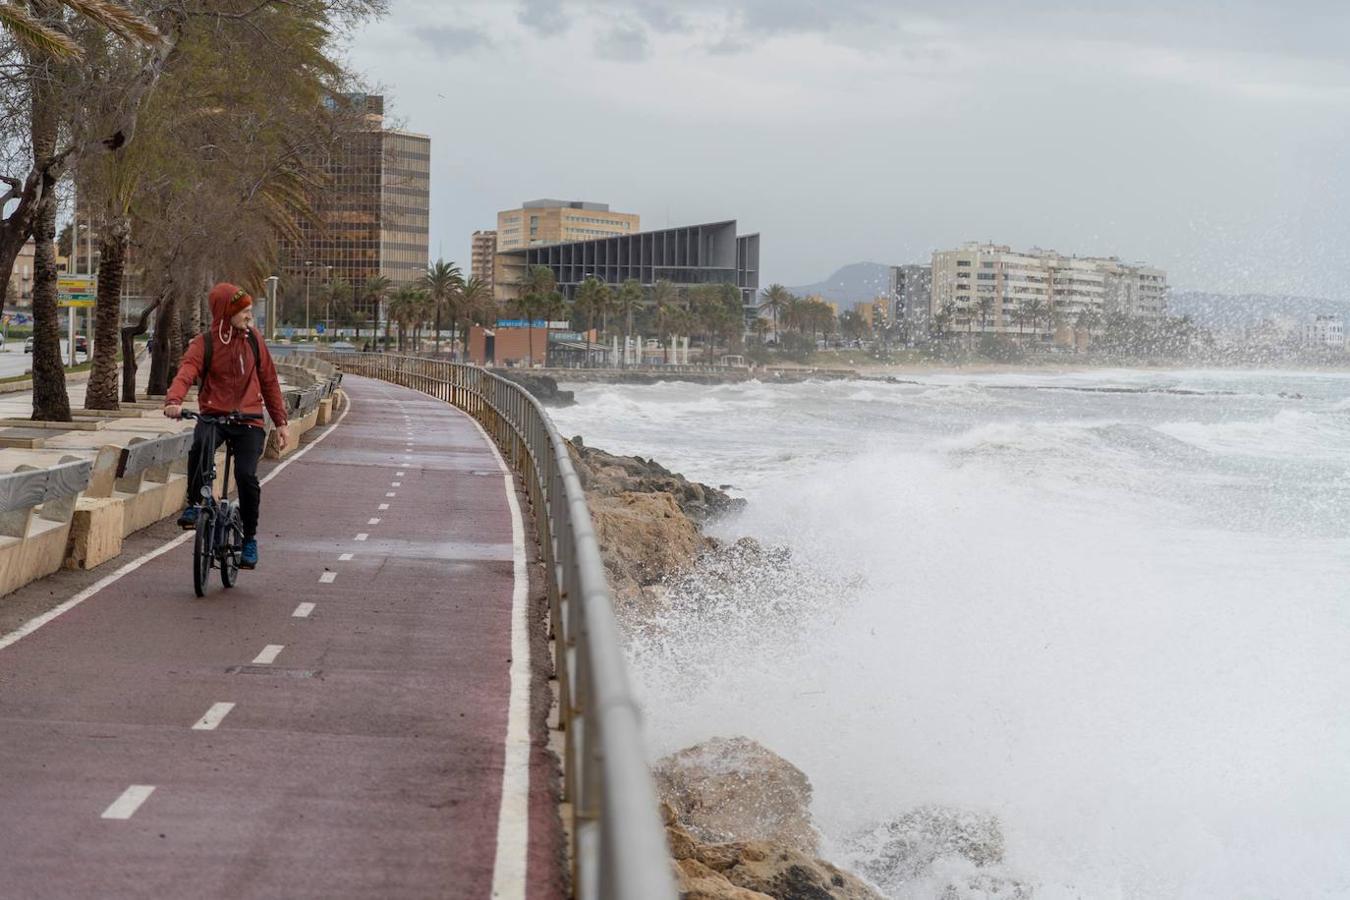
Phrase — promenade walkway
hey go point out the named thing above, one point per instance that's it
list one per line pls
(341, 724)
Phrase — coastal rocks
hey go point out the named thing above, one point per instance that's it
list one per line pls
(543, 387)
(734, 789)
(644, 538)
(604, 474)
(953, 854)
(751, 870)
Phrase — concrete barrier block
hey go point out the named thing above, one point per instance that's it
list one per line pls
(95, 532)
(37, 556)
(325, 411)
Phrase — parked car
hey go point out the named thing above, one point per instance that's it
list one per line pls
(81, 344)
(28, 345)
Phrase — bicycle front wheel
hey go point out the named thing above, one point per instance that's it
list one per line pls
(232, 546)
(203, 548)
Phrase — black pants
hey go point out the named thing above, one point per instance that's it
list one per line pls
(246, 442)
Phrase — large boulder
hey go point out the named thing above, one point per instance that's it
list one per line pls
(543, 387)
(644, 538)
(734, 789)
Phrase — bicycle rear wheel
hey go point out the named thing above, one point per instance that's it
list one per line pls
(202, 550)
(232, 546)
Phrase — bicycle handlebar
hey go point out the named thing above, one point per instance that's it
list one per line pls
(227, 419)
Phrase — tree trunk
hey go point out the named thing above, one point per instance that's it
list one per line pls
(129, 335)
(438, 329)
(102, 390)
(50, 401)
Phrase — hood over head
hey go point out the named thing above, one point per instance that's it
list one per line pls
(227, 299)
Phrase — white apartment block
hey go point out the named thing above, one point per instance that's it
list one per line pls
(1324, 331)
(995, 289)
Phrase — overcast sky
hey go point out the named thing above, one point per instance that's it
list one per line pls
(1210, 138)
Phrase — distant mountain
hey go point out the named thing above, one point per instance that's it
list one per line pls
(859, 281)
(1228, 312)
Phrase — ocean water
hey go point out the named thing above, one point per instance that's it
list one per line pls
(1111, 609)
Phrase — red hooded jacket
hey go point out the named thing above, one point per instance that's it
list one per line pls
(234, 383)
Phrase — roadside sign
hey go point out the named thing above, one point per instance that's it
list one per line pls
(76, 291)
(76, 302)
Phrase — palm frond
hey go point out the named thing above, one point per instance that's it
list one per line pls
(34, 35)
(116, 18)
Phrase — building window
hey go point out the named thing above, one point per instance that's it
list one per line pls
(963, 262)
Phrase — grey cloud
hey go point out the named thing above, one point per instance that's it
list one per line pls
(623, 43)
(448, 39)
(544, 17)
(659, 15)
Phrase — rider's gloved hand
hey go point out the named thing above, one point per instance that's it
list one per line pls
(174, 411)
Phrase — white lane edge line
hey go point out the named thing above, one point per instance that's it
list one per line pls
(268, 655)
(130, 800)
(327, 578)
(37, 622)
(513, 819)
(213, 717)
(344, 557)
(302, 611)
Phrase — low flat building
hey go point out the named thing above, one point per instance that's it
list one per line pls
(540, 222)
(687, 257)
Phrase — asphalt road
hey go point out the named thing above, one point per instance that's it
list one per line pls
(334, 726)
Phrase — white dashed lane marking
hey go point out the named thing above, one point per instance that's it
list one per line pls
(302, 611)
(388, 494)
(214, 716)
(327, 578)
(396, 484)
(344, 557)
(268, 655)
(125, 806)
(398, 474)
(373, 522)
(383, 506)
(362, 536)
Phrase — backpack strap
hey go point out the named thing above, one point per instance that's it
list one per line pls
(209, 345)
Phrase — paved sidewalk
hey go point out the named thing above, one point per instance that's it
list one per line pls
(335, 726)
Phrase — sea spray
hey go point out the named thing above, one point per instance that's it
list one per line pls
(1115, 621)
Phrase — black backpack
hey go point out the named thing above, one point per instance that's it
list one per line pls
(206, 358)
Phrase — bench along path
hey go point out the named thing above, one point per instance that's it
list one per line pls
(335, 726)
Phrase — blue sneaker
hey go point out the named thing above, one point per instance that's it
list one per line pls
(188, 520)
(249, 558)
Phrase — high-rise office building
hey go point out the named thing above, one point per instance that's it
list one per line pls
(372, 212)
(911, 298)
(539, 222)
(483, 257)
(994, 289)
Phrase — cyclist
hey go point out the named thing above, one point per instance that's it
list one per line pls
(237, 375)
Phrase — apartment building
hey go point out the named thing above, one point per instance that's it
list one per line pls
(483, 256)
(1324, 331)
(540, 222)
(994, 289)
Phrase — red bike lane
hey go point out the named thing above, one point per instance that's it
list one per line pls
(334, 726)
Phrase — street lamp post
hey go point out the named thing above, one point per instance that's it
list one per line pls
(270, 287)
(307, 267)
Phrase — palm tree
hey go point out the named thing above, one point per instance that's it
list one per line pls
(592, 298)
(665, 296)
(443, 283)
(476, 303)
(985, 304)
(776, 299)
(39, 37)
(627, 301)
(406, 308)
(1035, 308)
(374, 290)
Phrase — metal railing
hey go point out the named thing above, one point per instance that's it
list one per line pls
(618, 844)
